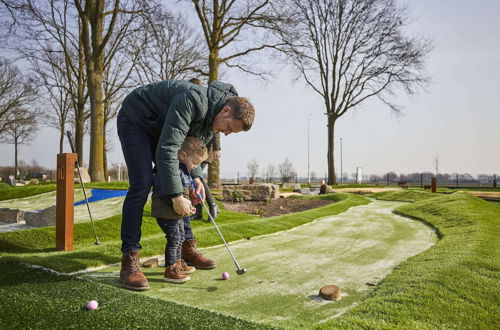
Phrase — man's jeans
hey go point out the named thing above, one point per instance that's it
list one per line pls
(139, 150)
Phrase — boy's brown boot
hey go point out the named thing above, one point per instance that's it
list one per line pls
(130, 275)
(193, 258)
(174, 274)
(185, 268)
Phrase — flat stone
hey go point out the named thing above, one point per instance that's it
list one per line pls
(330, 292)
(11, 215)
(151, 263)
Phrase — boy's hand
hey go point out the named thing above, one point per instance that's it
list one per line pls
(200, 189)
(194, 197)
(182, 206)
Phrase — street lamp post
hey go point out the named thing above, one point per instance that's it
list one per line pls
(341, 176)
(308, 177)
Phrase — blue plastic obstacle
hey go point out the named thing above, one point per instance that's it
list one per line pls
(102, 194)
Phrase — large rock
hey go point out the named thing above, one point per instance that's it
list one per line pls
(288, 185)
(46, 217)
(85, 175)
(309, 191)
(11, 180)
(11, 216)
(251, 192)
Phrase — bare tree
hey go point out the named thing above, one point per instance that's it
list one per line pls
(233, 30)
(270, 172)
(21, 130)
(349, 51)
(287, 171)
(435, 163)
(16, 92)
(167, 48)
(98, 22)
(49, 38)
(253, 168)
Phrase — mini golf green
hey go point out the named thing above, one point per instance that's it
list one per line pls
(354, 250)
(100, 210)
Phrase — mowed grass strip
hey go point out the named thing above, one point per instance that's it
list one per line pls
(36, 246)
(37, 299)
(407, 195)
(8, 192)
(454, 284)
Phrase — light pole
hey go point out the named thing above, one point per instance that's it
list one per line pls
(341, 176)
(308, 152)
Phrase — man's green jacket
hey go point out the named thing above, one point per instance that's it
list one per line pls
(169, 111)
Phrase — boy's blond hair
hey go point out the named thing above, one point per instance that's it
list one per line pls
(242, 109)
(194, 147)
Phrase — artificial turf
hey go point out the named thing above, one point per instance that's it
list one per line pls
(37, 299)
(36, 246)
(8, 192)
(454, 284)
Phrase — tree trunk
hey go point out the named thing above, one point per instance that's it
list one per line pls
(15, 161)
(96, 166)
(95, 67)
(80, 108)
(214, 167)
(79, 134)
(105, 154)
(61, 139)
(332, 179)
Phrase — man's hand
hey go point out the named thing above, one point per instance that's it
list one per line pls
(217, 154)
(182, 206)
(200, 188)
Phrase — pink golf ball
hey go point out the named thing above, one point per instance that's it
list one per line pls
(92, 305)
(225, 276)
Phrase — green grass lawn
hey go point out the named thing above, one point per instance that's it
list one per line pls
(454, 284)
(8, 192)
(37, 246)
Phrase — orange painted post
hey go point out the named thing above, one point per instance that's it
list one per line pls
(434, 185)
(65, 201)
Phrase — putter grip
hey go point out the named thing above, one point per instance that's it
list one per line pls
(70, 139)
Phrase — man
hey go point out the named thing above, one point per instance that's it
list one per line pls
(152, 124)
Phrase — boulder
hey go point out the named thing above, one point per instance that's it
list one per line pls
(84, 173)
(251, 192)
(288, 185)
(11, 215)
(34, 181)
(309, 191)
(46, 217)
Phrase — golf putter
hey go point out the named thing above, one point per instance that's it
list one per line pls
(239, 271)
(68, 133)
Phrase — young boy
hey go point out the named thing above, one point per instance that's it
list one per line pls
(191, 153)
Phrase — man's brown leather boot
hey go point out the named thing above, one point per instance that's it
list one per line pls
(131, 276)
(193, 258)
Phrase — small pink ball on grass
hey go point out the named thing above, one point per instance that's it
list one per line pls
(225, 276)
(92, 305)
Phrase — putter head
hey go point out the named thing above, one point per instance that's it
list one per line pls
(241, 271)
(96, 243)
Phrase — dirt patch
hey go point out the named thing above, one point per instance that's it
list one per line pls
(275, 207)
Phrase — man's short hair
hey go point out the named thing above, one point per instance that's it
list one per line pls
(242, 109)
(195, 81)
(194, 147)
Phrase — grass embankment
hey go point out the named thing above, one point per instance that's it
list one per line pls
(453, 284)
(108, 185)
(36, 246)
(8, 192)
(407, 195)
(36, 299)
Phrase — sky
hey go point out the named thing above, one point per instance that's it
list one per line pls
(457, 119)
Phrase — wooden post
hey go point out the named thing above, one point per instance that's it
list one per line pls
(65, 201)
(434, 185)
